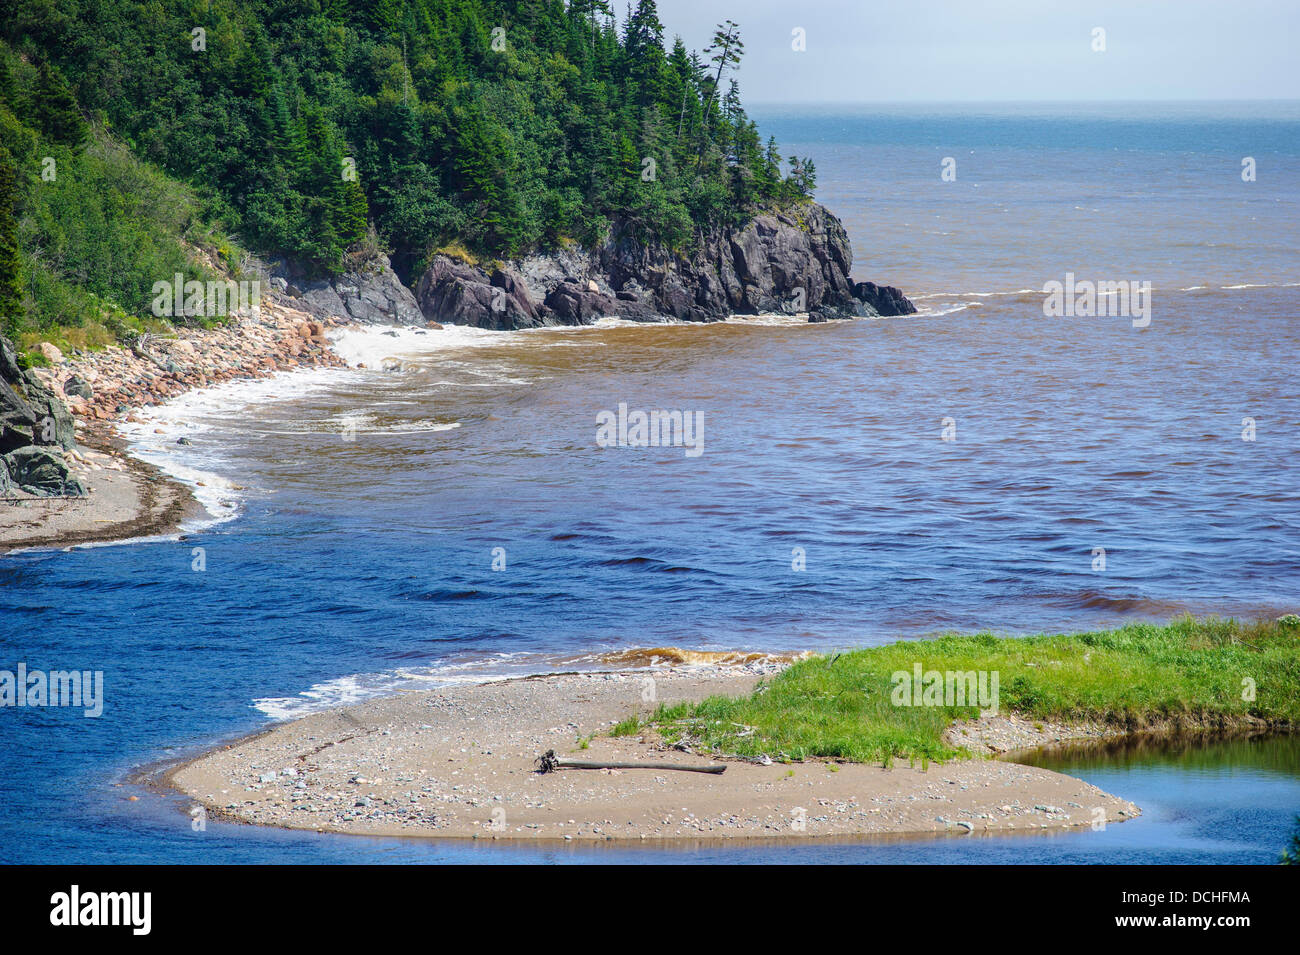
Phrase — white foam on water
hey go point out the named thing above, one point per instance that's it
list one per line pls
(357, 423)
(935, 313)
(91, 545)
(388, 348)
(357, 687)
(773, 319)
(1023, 291)
(397, 349)
(473, 669)
(154, 436)
(374, 344)
(614, 322)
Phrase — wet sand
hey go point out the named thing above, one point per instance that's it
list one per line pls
(127, 498)
(458, 762)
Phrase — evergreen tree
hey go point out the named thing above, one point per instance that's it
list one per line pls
(55, 108)
(644, 33)
(725, 51)
(352, 214)
(11, 294)
(8, 88)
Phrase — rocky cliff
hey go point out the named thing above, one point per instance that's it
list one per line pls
(794, 261)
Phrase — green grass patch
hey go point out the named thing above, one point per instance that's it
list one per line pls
(1189, 672)
(629, 727)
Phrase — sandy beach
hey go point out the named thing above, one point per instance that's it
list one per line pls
(458, 762)
(127, 498)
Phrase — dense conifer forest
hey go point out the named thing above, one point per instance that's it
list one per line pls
(133, 133)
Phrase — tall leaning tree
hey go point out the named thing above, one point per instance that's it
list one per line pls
(724, 52)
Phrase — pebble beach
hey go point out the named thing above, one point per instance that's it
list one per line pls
(459, 762)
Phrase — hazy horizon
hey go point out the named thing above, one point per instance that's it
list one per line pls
(950, 51)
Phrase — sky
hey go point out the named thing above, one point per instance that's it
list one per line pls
(954, 50)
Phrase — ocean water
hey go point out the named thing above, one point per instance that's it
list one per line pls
(358, 513)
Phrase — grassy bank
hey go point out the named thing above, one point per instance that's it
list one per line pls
(1189, 672)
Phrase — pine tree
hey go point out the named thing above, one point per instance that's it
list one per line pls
(351, 220)
(770, 181)
(8, 89)
(725, 51)
(802, 179)
(643, 33)
(11, 295)
(55, 107)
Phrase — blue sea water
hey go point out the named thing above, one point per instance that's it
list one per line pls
(369, 504)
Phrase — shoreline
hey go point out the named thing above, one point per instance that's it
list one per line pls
(138, 499)
(813, 800)
(134, 498)
(457, 763)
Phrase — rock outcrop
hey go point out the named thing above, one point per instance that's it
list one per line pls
(30, 414)
(42, 472)
(371, 294)
(34, 427)
(794, 261)
(885, 299)
(453, 291)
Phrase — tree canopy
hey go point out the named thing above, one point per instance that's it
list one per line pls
(504, 125)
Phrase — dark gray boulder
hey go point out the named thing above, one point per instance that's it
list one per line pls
(510, 296)
(571, 303)
(454, 291)
(29, 412)
(76, 386)
(370, 293)
(319, 298)
(374, 295)
(883, 299)
(457, 292)
(42, 472)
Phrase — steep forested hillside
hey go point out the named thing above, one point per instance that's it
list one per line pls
(309, 128)
(86, 228)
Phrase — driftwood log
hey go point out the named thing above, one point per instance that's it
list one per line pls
(548, 762)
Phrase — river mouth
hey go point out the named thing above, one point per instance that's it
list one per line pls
(451, 511)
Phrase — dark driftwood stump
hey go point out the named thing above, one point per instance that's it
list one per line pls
(548, 762)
